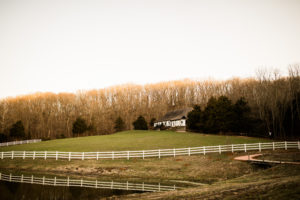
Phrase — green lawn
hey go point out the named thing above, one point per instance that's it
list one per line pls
(134, 140)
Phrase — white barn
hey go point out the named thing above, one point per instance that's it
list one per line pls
(174, 119)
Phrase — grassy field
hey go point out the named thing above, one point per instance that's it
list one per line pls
(134, 140)
(211, 176)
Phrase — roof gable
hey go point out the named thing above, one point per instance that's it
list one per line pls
(176, 114)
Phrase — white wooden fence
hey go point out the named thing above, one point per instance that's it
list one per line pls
(5, 144)
(86, 183)
(150, 153)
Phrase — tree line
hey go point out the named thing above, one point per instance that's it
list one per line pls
(273, 99)
(223, 116)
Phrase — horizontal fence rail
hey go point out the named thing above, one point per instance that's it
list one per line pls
(150, 153)
(5, 144)
(86, 183)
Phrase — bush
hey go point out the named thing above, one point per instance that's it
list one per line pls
(162, 127)
(140, 124)
(79, 126)
(17, 130)
(61, 136)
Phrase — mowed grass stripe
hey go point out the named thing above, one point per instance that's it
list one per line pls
(134, 140)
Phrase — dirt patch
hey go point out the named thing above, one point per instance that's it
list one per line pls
(97, 171)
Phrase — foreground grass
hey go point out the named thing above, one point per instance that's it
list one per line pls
(134, 140)
(278, 182)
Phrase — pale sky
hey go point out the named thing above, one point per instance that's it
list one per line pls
(68, 45)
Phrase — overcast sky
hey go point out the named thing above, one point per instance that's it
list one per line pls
(64, 46)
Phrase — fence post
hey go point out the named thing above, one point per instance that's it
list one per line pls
(82, 156)
(97, 155)
(112, 185)
(22, 177)
(285, 145)
(219, 149)
(174, 151)
(189, 151)
(127, 155)
(204, 150)
(81, 183)
(2, 155)
(113, 155)
(55, 181)
(24, 155)
(0, 176)
(127, 185)
(43, 180)
(259, 147)
(245, 147)
(299, 145)
(12, 155)
(45, 155)
(232, 148)
(143, 154)
(159, 153)
(56, 156)
(33, 155)
(69, 156)
(174, 187)
(273, 146)
(68, 181)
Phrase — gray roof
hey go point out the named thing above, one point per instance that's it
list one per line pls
(175, 114)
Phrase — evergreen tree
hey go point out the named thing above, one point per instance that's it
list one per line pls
(194, 121)
(242, 121)
(79, 126)
(140, 124)
(119, 124)
(17, 130)
(220, 115)
(291, 122)
(209, 116)
(224, 114)
(3, 137)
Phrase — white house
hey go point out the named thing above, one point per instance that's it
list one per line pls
(174, 119)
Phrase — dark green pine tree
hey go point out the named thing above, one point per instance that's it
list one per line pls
(79, 126)
(195, 119)
(17, 130)
(119, 124)
(140, 124)
(242, 121)
(224, 114)
(209, 116)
